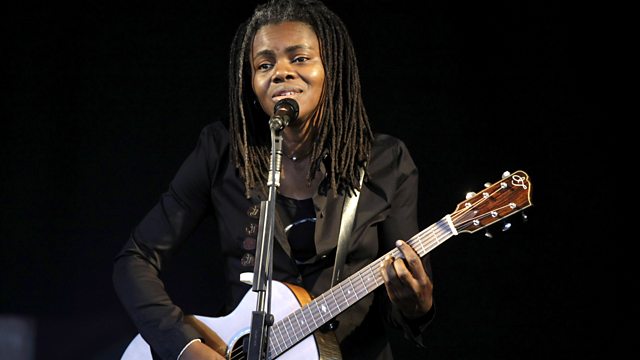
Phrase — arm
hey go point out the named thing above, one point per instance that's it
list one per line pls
(407, 281)
(138, 265)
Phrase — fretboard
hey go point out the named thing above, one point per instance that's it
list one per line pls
(299, 324)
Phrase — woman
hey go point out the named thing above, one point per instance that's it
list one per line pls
(300, 50)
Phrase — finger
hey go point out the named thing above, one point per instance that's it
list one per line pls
(403, 283)
(390, 279)
(411, 296)
(403, 274)
(414, 263)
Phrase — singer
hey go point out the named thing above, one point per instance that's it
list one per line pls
(298, 50)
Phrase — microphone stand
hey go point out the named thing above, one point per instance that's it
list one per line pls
(262, 319)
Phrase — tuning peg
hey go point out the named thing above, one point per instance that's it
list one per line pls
(506, 226)
(506, 174)
(470, 194)
(488, 234)
(487, 184)
(525, 218)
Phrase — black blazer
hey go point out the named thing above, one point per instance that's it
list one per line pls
(208, 183)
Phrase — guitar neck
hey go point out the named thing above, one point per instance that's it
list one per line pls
(304, 321)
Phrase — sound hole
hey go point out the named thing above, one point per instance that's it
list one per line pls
(239, 348)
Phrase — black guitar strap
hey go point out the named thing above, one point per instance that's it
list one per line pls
(346, 225)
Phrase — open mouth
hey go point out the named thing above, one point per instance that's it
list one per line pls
(285, 93)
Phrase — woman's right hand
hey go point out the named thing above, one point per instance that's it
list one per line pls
(199, 351)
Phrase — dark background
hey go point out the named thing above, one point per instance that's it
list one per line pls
(105, 100)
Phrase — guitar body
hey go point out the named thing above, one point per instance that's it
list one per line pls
(233, 328)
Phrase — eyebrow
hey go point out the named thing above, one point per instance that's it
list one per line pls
(288, 49)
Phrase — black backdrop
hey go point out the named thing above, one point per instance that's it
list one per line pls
(106, 99)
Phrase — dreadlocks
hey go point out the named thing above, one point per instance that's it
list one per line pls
(344, 132)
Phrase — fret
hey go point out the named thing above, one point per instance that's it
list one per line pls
(370, 279)
(353, 289)
(295, 315)
(271, 350)
(289, 331)
(445, 232)
(304, 321)
(330, 299)
(366, 291)
(273, 342)
(341, 286)
(374, 276)
(349, 296)
(317, 311)
(424, 250)
(298, 331)
(309, 312)
(335, 300)
(278, 332)
(434, 235)
(320, 311)
(325, 306)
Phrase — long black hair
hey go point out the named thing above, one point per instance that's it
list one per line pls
(344, 136)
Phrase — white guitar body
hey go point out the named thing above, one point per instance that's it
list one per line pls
(233, 327)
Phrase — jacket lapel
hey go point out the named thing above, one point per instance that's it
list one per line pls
(328, 215)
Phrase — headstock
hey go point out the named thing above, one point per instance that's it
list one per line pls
(496, 202)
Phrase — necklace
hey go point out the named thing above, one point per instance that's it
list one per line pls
(295, 157)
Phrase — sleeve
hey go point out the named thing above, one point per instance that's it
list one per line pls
(402, 223)
(137, 266)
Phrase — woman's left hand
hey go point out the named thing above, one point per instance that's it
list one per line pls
(407, 282)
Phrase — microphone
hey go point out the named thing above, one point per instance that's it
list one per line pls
(285, 111)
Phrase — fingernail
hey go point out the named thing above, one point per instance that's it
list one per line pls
(398, 243)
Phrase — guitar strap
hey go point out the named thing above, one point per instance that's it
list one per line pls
(346, 225)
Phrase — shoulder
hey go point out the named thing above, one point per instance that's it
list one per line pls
(216, 129)
(390, 159)
(390, 165)
(386, 141)
(215, 135)
(389, 149)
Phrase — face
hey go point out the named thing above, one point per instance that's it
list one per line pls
(286, 63)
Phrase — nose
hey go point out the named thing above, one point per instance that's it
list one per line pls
(283, 71)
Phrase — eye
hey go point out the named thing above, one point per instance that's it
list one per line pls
(299, 59)
(264, 66)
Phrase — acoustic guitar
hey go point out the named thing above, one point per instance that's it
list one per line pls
(297, 315)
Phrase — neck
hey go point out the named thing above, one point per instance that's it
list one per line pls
(298, 141)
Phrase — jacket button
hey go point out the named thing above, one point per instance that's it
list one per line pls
(247, 260)
(249, 243)
(251, 229)
(254, 211)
